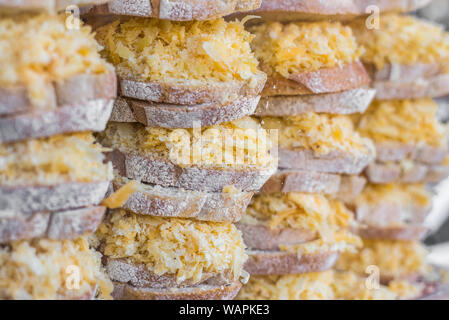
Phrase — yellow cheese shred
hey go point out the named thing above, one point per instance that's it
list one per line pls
(119, 197)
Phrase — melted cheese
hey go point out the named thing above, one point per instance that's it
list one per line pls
(180, 247)
(36, 50)
(328, 218)
(403, 40)
(403, 121)
(393, 258)
(307, 286)
(322, 133)
(119, 197)
(42, 269)
(240, 143)
(58, 159)
(407, 194)
(301, 47)
(161, 50)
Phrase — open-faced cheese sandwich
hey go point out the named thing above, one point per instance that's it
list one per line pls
(175, 10)
(406, 57)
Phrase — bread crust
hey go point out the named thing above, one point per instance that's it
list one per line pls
(60, 225)
(279, 262)
(123, 291)
(345, 102)
(178, 10)
(165, 173)
(403, 232)
(181, 116)
(333, 162)
(187, 92)
(260, 237)
(29, 199)
(325, 80)
(174, 202)
(90, 116)
(76, 90)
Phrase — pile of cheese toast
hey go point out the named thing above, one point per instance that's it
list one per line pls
(236, 149)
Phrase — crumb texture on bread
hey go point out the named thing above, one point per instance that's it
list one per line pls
(41, 269)
(300, 47)
(240, 143)
(38, 50)
(57, 159)
(329, 219)
(411, 122)
(198, 51)
(321, 133)
(394, 258)
(171, 246)
(403, 40)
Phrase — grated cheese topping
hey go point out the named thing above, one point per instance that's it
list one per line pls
(404, 121)
(37, 50)
(49, 269)
(180, 247)
(404, 40)
(301, 46)
(322, 133)
(161, 50)
(57, 159)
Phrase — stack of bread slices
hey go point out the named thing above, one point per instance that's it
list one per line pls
(181, 131)
(55, 91)
(408, 60)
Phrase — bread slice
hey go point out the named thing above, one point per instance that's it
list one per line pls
(89, 116)
(74, 91)
(50, 5)
(350, 188)
(190, 92)
(69, 195)
(395, 232)
(378, 172)
(174, 202)
(280, 262)
(333, 162)
(124, 291)
(325, 80)
(60, 225)
(163, 172)
(394, 151)
(345, 102)
(181, 116)
(284, 10)
(179, 10)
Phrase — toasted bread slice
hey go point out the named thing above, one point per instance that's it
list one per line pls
(345, 102)
(124, 291)
(378, 172)
(165, 173)
(396, 232)
(49, 5)
(279, 262)
(178, 10)
(190, 92)
(74, 91)
(69, 195)
(90, 116)
(174, 202)
(426, 154)
(325, 80)
(333, 162)
(181, 116)
(263, 238)
(68, 224)
(283, 10)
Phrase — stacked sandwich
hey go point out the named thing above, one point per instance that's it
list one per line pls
(297, 226)
(181, 130)
(409, 63)
(55, 89)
